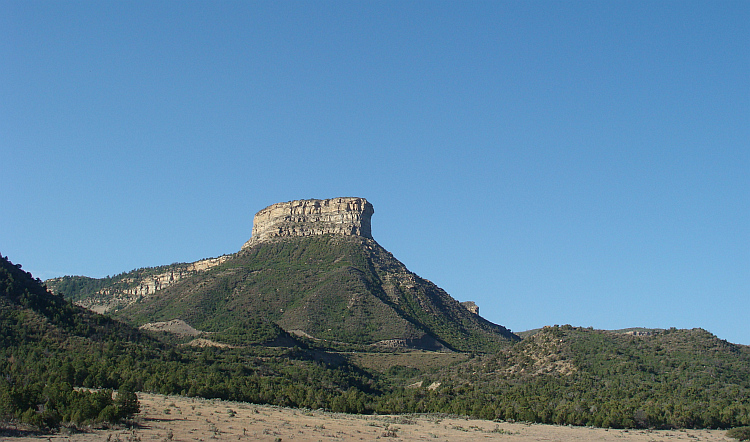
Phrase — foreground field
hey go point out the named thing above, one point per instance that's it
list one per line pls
(164, 418)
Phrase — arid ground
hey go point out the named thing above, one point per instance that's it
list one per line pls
(164, 418)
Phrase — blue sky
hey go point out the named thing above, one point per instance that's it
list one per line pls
(583, 163)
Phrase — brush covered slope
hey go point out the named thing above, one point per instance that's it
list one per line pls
(48, 346)
(42, 338)
(569, 375)
(337, 288)
(312, 268)
(563, 375)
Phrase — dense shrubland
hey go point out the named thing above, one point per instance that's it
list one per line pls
(342, 289)
(677, 379)
(59, 365)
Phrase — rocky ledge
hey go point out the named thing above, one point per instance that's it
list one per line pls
(337, 216)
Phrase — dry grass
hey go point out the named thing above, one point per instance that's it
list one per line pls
(165, 418)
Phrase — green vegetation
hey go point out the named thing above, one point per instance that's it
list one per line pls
(50, 348)
(739, 433)
(567, 375)
(52, 352)
(339, 289)
(251, 331)
(32, 325)
(77, 288)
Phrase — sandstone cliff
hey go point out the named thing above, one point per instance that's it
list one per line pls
(136, 285)
(337, 216)
(471, 306)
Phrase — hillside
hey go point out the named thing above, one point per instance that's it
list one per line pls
(30, 313)
(335, 288)
(115, 292)
(311, 268)
(359, 333)
(563, 375)
(48, 346)
(568, 375)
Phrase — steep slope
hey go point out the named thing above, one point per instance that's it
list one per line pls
(45, 342)
(333, 287)
(311, 267)
(28, 312)
(48, 346)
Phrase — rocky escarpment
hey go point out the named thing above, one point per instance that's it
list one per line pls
(127, 288)
(471, 306)
(337, 216)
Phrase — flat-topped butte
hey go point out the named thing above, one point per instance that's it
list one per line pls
(338, 216)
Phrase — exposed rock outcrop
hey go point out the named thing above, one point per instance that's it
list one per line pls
(337, 216)
(131, 289)
(471, 306)
(176, 326)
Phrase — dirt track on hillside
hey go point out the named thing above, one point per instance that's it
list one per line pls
(164, 418)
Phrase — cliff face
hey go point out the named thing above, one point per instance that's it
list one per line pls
(135, 286)
(471, 306)
(339, 216)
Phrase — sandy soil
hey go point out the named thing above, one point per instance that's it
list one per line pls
(176, 326)
(164, 418)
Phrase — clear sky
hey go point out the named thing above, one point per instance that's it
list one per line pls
(564, 162)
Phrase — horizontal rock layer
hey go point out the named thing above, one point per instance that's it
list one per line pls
(337, 216)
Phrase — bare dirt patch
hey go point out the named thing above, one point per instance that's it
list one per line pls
(202, 342)
(176, 326)
(165, 418)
